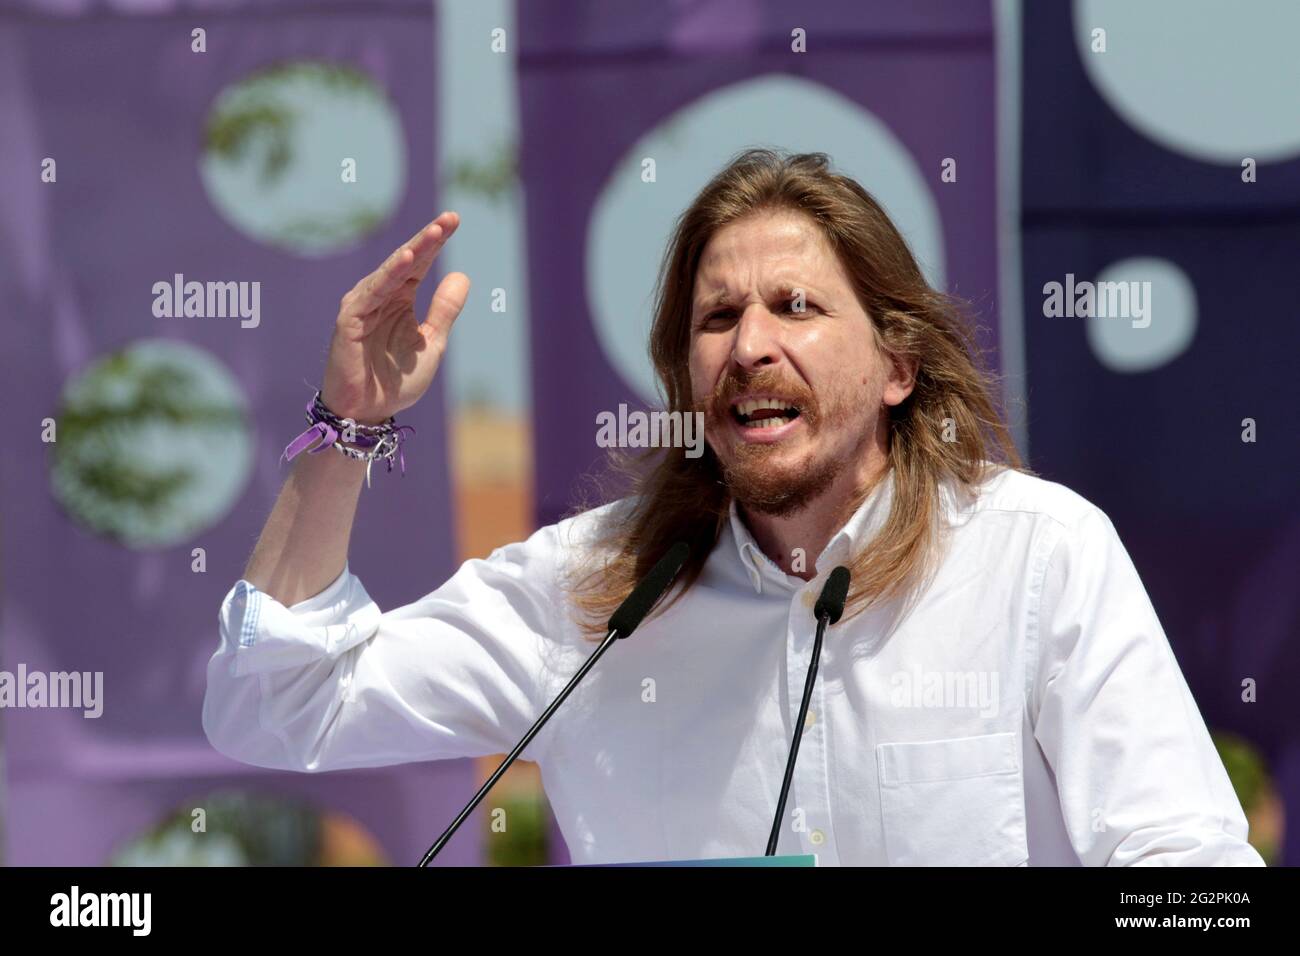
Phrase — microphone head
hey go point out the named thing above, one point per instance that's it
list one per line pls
(834, 594)
(650, 588)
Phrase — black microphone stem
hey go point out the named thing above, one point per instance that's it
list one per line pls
(808, 683)
(519, 747)
(634, 609)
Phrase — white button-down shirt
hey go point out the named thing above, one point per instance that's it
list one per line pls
(1025, 708)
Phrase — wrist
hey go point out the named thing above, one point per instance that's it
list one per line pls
(344, 408)
(356, 440)
(330, 466)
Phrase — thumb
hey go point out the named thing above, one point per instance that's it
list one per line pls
(448, 299)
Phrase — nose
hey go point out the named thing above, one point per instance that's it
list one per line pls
(758, 340)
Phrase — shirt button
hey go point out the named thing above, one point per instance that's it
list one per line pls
(817, 837)
(810, 720)
(809, 599)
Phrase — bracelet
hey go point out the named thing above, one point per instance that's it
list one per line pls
(377, 441)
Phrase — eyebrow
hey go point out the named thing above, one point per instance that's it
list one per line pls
(783, 290)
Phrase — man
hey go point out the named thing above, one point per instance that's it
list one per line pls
(999, 691)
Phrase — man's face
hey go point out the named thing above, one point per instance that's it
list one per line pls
(751, 346)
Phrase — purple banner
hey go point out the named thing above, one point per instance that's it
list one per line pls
(120, 98)
(595, 78)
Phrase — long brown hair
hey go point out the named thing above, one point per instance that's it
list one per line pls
(675, 498)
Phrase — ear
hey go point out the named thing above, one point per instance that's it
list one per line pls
(901, 377)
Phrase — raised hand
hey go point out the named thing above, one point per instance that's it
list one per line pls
(381, 360)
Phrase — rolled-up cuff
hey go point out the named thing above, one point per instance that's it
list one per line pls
(267, 636)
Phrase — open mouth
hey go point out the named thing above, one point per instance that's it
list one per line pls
(764, 412)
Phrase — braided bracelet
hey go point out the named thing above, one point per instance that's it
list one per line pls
(377, 441)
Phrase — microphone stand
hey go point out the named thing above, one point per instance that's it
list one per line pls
(829, 607)
(822, 621)
(624, 621)
(505, 764)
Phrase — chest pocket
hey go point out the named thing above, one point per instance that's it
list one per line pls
(953, 802)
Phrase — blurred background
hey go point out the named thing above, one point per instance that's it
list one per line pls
(294, 143)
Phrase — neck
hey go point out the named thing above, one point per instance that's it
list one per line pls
(810, 529)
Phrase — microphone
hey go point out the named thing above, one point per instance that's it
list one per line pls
(622, 623)
(833, 596)
(827, 610)
(637, 605)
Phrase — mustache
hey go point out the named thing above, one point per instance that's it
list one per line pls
(717, 405)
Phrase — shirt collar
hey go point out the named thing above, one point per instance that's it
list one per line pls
(848, 541)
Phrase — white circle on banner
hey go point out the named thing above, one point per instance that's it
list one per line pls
(1216, 82)
(154, 444)
(1157, 326)
(306, 156)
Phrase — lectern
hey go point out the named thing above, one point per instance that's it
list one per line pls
(790, 859)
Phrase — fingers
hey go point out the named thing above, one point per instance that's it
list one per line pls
(411, 260)
(429, 245)
(448, 301)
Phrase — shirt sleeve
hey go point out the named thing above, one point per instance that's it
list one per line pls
(333, 683)
(1138, 776)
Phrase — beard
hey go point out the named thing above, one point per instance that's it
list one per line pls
(752, 472)
(760, 487)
